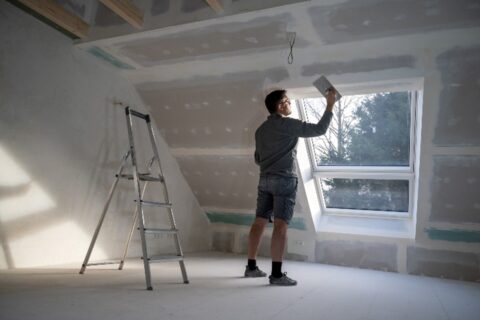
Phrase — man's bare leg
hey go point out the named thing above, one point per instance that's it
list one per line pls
(279, 239)
(255, 236)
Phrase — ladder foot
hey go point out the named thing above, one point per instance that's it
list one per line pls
(186, 282)
(150, 288)
(82, 270)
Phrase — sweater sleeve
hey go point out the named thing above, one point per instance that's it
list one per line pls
(302, 129)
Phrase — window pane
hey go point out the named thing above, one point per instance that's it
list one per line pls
(365, 194)
(366, 130)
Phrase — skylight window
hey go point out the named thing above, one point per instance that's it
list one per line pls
(364, 165)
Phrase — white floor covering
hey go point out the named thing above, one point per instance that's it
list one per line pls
(217, 290)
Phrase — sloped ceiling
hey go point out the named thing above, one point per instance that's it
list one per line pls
(166, 13)
(218, 40)
(205, 80)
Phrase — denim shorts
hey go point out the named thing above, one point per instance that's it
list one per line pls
(276, 196)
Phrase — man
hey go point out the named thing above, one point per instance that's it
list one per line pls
(275, 150)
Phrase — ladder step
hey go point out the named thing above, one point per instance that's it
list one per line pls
(102, 263)
(142, 176)
(156, 204)
(164, 258)
(147, 177)
(157, 231)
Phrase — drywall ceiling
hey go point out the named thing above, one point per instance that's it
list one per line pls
(204, 77)
(266, 33)
(167, 13)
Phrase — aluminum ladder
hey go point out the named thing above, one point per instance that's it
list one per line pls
(138, 216)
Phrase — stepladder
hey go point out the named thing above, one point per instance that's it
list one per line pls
(153, 174)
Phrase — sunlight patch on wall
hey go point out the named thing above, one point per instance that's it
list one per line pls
(22, 197)
(62, 243)
(3, 259)
(33, 200)
(19, 195)
(11, 174)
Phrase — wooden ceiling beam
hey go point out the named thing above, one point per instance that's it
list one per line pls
(53, 12)
(215, 5)
(127, 10)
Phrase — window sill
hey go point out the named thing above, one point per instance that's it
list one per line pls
(391, 228)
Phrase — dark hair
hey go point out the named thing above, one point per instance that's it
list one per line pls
(273, 98)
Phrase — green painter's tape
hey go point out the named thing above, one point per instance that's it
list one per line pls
(454, 235)
(99, 53)
(247, 219)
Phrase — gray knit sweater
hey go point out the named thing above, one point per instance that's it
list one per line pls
(276, 141)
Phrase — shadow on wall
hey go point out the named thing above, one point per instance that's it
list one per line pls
(29, 228)
(48, 222)
(48, 213)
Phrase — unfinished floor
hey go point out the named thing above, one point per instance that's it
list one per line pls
(217, 290)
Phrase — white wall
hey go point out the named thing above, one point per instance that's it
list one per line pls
(61, 140)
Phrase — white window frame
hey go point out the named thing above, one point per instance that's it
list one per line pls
(369, 172)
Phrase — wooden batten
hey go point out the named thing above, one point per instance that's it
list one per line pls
(53, 12)
(127, 10)
(215, 5)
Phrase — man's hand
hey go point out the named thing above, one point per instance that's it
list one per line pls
(331, 93)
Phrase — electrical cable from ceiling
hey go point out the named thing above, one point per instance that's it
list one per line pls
(291, 41)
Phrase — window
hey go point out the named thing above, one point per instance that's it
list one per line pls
(364, 165)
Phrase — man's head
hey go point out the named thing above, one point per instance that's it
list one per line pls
(278, 102)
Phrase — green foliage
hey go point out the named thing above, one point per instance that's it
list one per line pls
(382, 135)
(367, 194)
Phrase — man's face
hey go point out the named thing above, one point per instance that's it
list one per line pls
(284, 107)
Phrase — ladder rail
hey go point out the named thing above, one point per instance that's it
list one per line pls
(104, 213)
(167, 199)
(130, 233)
(141, 217)
(134, 222)
(153, 142)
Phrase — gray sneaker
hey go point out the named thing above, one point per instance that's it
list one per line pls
(282, 281)
(256, 273)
